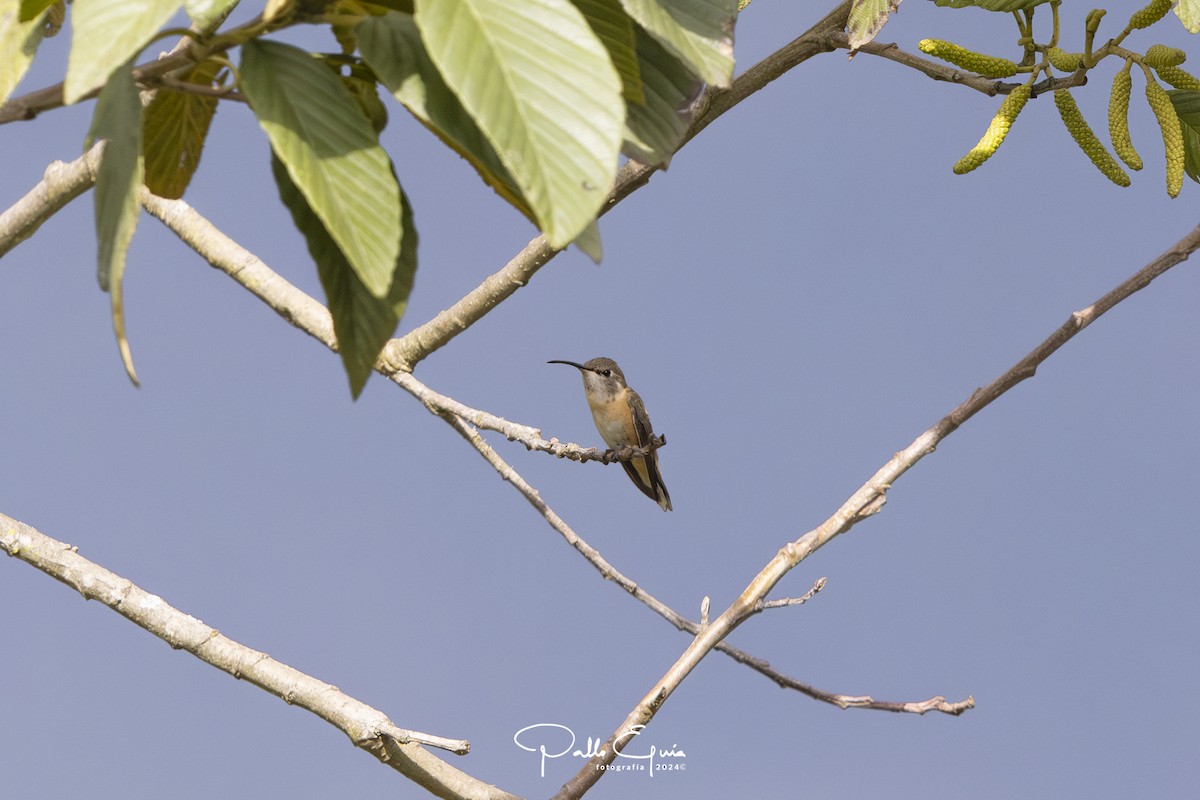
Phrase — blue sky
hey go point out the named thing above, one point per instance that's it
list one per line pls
(806, 290)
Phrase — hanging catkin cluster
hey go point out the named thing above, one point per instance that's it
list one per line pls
(1049, 67)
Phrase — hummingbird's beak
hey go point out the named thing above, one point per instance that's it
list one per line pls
(571, 363)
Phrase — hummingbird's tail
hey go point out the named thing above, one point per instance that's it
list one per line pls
(664, 499)
(645, 476)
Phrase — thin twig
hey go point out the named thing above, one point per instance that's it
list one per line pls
(220, 92)
(941, 72)
(784, 602)
(367, 727)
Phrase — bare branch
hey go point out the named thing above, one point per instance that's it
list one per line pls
(367, 727)
(606, 570)
(237, 262)
(845, 701)
(60, 184)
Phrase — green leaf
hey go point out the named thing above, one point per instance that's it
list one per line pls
(700, 32)
(1187, 104)
(867, 18)
(105, 35)
(392, 47)
(615, 30)
(654, 130)
(118, 120)
(205, 12)
(362, 321)
(363, 86)
(1188, 12)
(1187, 108)
(19, 40)
(992, 5)
(331, 152)
(175, 126)
(543, 91)
(589, 244)
(30, 8)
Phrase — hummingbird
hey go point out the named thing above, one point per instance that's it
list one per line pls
(621, 418)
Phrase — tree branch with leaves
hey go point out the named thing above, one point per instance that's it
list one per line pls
(543, 98)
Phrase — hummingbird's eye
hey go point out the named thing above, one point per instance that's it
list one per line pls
(606, 372)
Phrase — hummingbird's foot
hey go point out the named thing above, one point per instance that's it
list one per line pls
(618, 454)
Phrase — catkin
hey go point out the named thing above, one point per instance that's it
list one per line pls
(987, 66)
(1172, 133)
(1159, 55)
(1073, 119)
(996, 131)
(1061, 59)
(1152, 13)
(1179, 78)
(1118, 118)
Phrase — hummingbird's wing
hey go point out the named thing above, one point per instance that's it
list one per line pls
(644, 471)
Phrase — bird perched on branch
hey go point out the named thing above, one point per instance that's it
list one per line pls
(621, 418)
